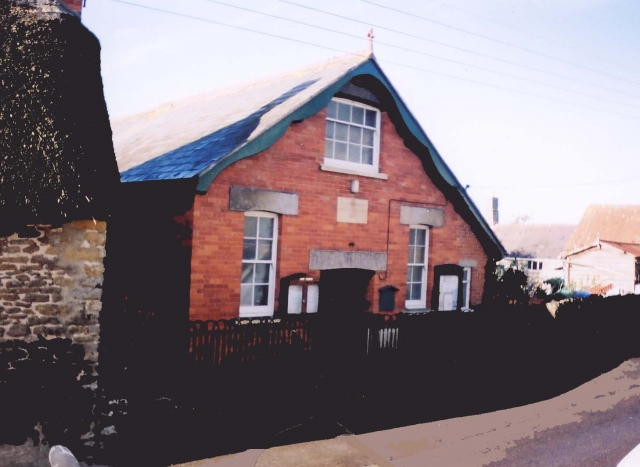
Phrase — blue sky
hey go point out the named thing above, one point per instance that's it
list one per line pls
(536, 102)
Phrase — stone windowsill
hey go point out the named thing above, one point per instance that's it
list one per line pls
(361, 173)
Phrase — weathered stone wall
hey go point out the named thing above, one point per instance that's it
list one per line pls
(51, 284)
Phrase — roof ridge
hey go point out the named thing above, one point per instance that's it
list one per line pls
(237, 88)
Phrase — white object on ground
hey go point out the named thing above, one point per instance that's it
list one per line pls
(59, 456)
(632, 459)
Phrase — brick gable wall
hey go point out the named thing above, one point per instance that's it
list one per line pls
(292, 165)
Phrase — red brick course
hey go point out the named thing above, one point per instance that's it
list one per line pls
(292, 165)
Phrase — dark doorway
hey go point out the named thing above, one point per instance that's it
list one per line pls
(341, 304)
(343, 292)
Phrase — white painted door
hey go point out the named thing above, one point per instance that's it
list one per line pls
(448, 299)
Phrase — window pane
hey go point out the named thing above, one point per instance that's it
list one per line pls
(332, 110)
(357, 115)
(264, 250)
(408, 297)
(250, 226)
(262, 273)
(247, 272)
(370, 118)
(417, 273)
(341, 132)
(344, 112)
(245, 294)
(249, 249)
(354, 153)
(367, 156)
(412, 254)
(329, 130)
(409, 274)
(420, 236)
(328, 149)
(416, 291)
(340, 151)
(355, 134)
(266, 227)
(261, 295)
(412, 237)
(367, 139)
(420, 254)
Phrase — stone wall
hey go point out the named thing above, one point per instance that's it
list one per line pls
(51, 284)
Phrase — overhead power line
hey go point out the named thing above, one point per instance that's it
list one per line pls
(538, 36)
(561, 185)
(498, 41)
(424, 70)
(419, 52)
(462, 49)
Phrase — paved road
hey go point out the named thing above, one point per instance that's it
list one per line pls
(595, 425)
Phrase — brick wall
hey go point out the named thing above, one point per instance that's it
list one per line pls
(292, 165)
(50, 284)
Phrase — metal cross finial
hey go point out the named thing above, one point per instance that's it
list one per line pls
(370, 35)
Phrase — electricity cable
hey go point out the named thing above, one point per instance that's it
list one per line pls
(424, 70)
(419, 52)
(462, 49)
(498, 41)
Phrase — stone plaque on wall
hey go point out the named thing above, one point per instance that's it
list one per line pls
(336, 259)
(352, 210)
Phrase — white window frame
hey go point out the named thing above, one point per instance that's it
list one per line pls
(249, 311)
(422, 303)
(358, 166)
(466, 288)
(534, 265)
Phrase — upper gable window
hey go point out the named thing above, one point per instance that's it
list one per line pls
(352, 138)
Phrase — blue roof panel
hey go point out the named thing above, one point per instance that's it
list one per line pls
(191, 159)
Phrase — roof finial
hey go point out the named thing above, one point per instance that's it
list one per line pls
(370, 35)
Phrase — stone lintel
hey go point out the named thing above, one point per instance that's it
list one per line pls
(421, 216)
(253, 199)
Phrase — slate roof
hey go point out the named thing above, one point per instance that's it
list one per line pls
(194, 133)
(198, 137)
(613, 224)
(534, 240)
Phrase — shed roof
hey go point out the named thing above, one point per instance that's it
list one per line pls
(615, 224)
(200, 136)
(632, 248)
(534, 240)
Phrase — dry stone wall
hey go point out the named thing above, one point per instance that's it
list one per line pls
(51, 283)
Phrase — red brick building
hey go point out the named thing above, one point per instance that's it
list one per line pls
(311, 191)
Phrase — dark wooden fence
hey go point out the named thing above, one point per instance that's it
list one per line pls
(249, 340)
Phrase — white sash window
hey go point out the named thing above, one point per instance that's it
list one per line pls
(417, 267)
(352, 138)
(257, 283)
